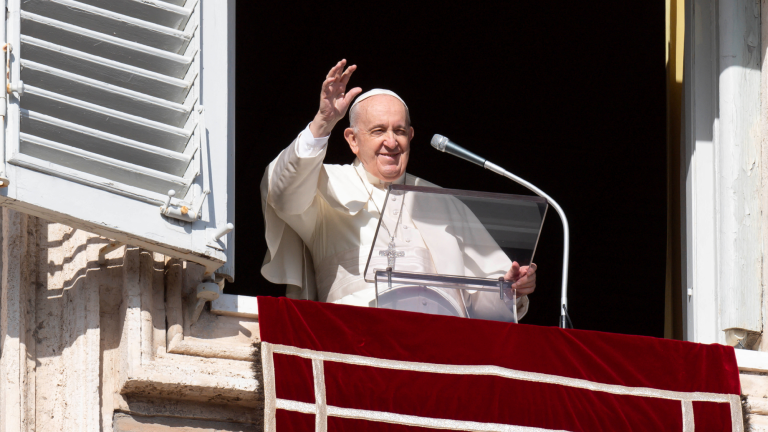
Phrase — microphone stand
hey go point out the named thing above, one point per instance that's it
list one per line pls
(564, 318)
(445, 145)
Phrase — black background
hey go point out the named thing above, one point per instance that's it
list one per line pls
(568, 95)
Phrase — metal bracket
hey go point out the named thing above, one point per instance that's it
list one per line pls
(213, 237)
(376, 287)
(501, 288)
(10, 88)
(741, 338)
(4, 181)
(113, 245)
(17, 88)
(184, 213)
(206, 291)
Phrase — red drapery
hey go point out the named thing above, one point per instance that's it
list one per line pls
(344, 368)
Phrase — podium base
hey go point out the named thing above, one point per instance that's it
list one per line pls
(419, 298)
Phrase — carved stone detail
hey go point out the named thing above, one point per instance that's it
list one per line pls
(82, 342)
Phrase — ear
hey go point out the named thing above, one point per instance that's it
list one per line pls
(349, 135)
(410, 135)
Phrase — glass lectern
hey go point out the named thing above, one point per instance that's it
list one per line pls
(435, 249)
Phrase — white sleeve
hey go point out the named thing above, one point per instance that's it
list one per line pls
(511, 304)
(308, 145)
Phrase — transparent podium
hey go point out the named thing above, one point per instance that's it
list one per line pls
(435, 249)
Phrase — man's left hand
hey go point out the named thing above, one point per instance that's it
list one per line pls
(524, 278)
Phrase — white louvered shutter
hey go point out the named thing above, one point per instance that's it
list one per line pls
(111, 118)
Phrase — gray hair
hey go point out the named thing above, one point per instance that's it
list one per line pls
(354, 116)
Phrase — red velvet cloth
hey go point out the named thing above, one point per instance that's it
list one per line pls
(600, 358)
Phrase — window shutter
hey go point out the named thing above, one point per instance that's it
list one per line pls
(115, 103)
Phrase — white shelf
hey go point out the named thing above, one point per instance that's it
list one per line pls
(235, 305)
(753, 361)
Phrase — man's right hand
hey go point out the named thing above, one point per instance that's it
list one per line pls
(334, 99)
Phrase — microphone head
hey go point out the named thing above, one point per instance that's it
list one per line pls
(439, 142)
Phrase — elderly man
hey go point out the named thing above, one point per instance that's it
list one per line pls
(321, 219)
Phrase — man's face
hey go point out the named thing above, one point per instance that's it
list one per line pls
(382, 141)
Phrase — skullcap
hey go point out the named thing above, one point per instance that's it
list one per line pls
(376, 92)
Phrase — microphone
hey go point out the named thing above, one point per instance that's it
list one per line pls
(445, 145)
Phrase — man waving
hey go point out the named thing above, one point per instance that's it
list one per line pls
(321, 219)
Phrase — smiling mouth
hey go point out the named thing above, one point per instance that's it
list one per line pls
(391, 155)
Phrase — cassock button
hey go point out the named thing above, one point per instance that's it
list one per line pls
(395, 212)
(407, 240)
(394, 198)
(404, 226)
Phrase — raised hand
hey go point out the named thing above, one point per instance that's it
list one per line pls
(334, 99)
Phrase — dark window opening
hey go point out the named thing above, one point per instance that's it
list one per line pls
(569, 96)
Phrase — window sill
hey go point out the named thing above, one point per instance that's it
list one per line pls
(752, 361)
(236, 306)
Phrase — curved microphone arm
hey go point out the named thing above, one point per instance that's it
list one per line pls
(447, 146)
(566, 232)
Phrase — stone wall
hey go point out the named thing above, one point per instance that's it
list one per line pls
(88, 346)
(755, 387)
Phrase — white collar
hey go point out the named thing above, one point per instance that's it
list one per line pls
(373, 180)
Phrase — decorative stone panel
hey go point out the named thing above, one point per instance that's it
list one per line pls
(90, 347)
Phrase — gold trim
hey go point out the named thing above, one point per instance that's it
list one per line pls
(385, 417)
(503, 373)
(737, 420)
(301, 407)
(270, 395)
(321, 409)
(432, 423)
(688, 423)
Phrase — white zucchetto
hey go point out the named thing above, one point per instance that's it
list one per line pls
(376, 92)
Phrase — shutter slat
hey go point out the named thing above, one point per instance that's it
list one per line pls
(154, 11)
(105, 119)
(104, 45)
(105, 144)
(177, 2)
(104, 70)
(95, 164)
(110, 23)
(95, 103)
(61, 171)
(105, 95)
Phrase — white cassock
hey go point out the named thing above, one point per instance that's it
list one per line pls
(320, 226)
